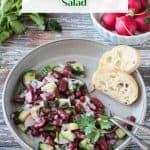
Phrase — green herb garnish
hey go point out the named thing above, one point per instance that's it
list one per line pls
(12, 20)
(88, 125)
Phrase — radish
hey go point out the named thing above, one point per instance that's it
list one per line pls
(142, 25)
(40, 123)
(28, 97)
(29, 121)
(134, 5)
(108, 20)
(125, 25)
(144, 4)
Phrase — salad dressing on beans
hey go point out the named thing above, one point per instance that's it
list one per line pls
(56, 105)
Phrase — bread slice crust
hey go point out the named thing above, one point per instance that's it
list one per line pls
(117, 84)
(123, 57)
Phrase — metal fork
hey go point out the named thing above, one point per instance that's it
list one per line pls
(114, 119)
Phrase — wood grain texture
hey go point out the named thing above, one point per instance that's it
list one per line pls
(74, 26)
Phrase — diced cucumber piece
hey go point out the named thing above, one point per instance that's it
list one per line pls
(64, 101)
(70, 126)
(58, 68)
(45, 71)
(22, 116)
(35, 111)
(69, 110)
(49, 87)
(120, 133)
(43, 146)
(73, 126)
(78, 68)
(86, 145)
(60, 140)
(29, 76)
(49, 127)
(23, 128)
(68, 135)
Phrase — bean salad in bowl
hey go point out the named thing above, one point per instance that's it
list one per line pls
(55, 104)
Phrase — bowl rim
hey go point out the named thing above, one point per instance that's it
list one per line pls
(5, 115)
(142, 35)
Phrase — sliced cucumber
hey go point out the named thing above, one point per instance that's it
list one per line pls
(86, 145)
(29, 76)
(49, 87)
(60, 140)
(78, 68)
(23, 128)
(58, 68)
(35, 111)
(45, 71)
(120, 133)
(70, 126)
(43, 146)
(49, 127)
(22, 116)
(67, 135)
(69, 110)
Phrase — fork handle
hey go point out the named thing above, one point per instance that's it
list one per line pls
(142, 128)
(142, 145)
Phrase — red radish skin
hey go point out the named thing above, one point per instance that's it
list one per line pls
(142, 26)
(134, 5)
(125, 25)
(144, 4)
(108, 20)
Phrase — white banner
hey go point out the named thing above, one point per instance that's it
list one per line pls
(74, 6)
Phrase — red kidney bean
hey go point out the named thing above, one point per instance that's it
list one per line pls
(102, 144)
(71, 62)
(14, 116)
(131, 118)
(35, 132)
(41, 123)
(72, 146)
(78, 94)
(41, 129)
(99, 111)
(67, 72)
(49, 141)
(82, 99)
(83, 90)
(52, 134)
(63, 114)
(56, 74)
(45, 134)
(79, 134)
(79, 108)
(57, 122)
(45, 110)
(68, 93)
(19, 100)
(97, 102)
(63, 85)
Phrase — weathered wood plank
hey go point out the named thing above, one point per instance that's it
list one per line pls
(74, 26)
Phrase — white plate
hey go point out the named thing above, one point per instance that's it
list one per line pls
(88, 53)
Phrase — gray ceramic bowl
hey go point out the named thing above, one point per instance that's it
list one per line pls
(88, 53)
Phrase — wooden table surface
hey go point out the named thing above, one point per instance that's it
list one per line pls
(74, 26)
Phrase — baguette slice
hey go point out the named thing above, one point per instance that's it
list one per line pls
(117, 84)
(124, 58)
